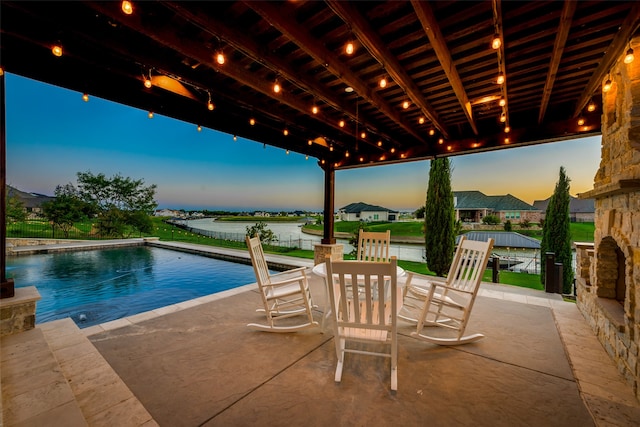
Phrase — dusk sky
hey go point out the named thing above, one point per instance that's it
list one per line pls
(52, 134)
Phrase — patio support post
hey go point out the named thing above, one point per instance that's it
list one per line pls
(328, 245)
(7, 288)
(329, 196)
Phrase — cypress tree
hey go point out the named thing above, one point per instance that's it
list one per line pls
(556, 234)
(439, 218)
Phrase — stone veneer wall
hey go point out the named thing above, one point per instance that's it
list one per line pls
(18, 313)
(617, 224)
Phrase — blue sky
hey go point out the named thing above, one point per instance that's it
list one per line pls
(52, 134)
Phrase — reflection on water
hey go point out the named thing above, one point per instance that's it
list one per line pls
(97, 286)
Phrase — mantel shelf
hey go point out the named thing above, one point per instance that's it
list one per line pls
(621, 187)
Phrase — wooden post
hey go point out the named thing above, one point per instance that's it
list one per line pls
(329, 195)
(7, 288)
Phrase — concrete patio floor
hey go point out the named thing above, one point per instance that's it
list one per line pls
(197, 364)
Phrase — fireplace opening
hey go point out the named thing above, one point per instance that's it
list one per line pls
(611, 270)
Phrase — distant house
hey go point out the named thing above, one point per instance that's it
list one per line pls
(364, 212)
(32, 202)
(580, 210)
(472, 206)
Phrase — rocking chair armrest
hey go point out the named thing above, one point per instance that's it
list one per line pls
(288, 281)
(423, 286)
(287, 272)
(451, 288)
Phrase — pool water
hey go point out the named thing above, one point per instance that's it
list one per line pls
(98, 286)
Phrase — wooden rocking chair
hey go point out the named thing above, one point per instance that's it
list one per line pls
(373, 246)
(447, 303)
(284, 295)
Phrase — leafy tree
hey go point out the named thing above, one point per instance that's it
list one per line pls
(260, 228)
(556, 234)
(508, 226)
(419, 213)
(65, 209)
(439, 218)
(122, 203)
(525, 223)
(14, 208)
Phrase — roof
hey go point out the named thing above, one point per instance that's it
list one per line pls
(504, 239)
(363, 207)
(435, 55)
(575, 205)
(478, 200)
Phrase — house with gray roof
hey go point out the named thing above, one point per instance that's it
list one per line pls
(361, 211)
(580, 210)
(32, 202)
(472, 206)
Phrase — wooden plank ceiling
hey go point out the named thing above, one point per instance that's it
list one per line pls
(435, 55)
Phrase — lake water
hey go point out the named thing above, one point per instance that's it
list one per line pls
(290, 234)
(98, 286)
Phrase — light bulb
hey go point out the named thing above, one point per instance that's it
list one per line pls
(496, 42)
(276, 87)
(507, 140)
(379, 143)
(507, 129)
(341, 123)
(85, 97)
(57, 50)
(285, 132)
(502, 102)
(349, 48)
(147, 83)
(310, 142)
(503, 117)
(220, 58)
(405, 104)
(346, 154)
(314, 109)
(393, 150)
(421, 120)
(363, 135)
(252, 121)
(440, 141)
(607, 86)
(210, 105)
(432, 132)
(500, 79)
(235, 138)
(150, 115)
(383, 82)
(127, 7)
(287, 152)
(628, 59)
(591, 107)
(199, 128)
(580, 121)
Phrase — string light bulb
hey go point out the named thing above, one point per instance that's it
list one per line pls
(85, 97)
(432, 132)
(440, 141)
(199, 128)
(150, 114)
(220, 59)
(363, 135)
(285, 132)
(507, 129)
(252, 121)
(500, 79)
(56, 50)
(314, 109)
(628, 58)
(383, 82)
(607, 85)
(496, 42)
(580, 121)
(405, 104)
(235, 138)
(147, 81)
(341, 123)
(503, 117)
(127, 7)
(393, 150)
(210, 105)
(421, 120)
(276, 87)
(502, 102)
(350, 48)
(591, 107)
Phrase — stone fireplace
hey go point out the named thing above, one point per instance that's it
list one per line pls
(608, 271)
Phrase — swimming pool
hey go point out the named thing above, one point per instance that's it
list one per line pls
(98, 286)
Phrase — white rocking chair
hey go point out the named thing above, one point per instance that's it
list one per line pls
(364, 300)
(430, 301)
(284, 295)
(373, 246)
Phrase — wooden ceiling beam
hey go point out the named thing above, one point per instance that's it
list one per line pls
(568, 9)
(628, 27)
(432, 29)
(203, 55)
(282, 19)
(242, 42)
(372, 42)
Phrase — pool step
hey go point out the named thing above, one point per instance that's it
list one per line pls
(64, 375)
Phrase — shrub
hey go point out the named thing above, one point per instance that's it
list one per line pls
(507, 225)
(491, 220)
